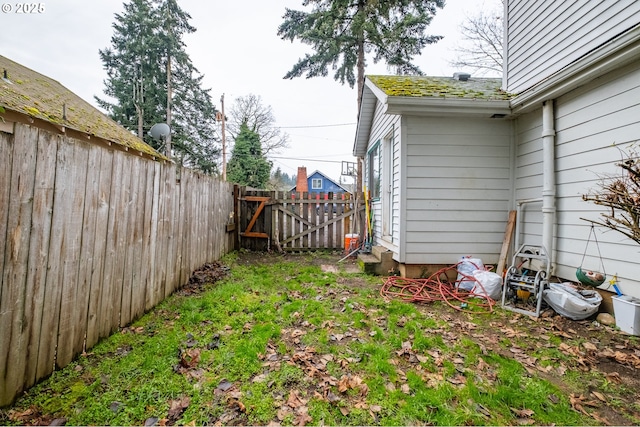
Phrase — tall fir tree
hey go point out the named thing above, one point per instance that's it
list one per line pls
(151, 79)
(190, 107)
(130, 67)
(341, 32)
(247, 165)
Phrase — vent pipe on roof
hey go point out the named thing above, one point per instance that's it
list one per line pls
(5, 76)
(463, 77)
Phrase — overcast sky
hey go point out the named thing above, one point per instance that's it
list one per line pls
(237, 49)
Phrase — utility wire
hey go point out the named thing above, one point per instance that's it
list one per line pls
(306, 160)
(316, 126)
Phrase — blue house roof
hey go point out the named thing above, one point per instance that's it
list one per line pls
(320, 183)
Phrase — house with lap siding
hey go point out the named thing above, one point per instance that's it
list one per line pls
(318, 182)
(450, 164)
(31, 98)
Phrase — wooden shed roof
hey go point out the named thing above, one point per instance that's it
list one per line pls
(28, 92)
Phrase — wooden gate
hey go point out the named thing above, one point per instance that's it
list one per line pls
(295, 222)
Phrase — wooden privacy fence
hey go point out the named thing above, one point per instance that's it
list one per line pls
(91, 238)
(295, 222)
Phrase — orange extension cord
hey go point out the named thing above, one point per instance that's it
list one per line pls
(438, 288)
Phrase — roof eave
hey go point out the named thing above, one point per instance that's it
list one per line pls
(371, 94)
(448, 107)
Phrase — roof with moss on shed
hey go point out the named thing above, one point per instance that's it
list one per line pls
(28, 92)
(441, 87)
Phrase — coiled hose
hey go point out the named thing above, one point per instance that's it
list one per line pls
(439, 288)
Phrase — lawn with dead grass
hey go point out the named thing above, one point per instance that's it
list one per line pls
(265, 339)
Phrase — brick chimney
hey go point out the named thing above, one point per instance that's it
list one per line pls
(301, 181)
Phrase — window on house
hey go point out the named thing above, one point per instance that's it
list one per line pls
(374, 183)
(316, 184)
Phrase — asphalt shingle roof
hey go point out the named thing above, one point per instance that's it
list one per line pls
(29, 92)
(441, 87)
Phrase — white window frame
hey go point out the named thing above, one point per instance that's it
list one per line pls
(374, 165)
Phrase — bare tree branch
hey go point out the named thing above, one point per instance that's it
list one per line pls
(621, 194)
(480, 50)
(259, 119)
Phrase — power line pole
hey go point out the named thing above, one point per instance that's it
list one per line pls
(224, 141)
(169, 101)
(169, 89)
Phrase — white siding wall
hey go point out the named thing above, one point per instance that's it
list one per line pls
(457, 190)
(589, 120)
(384, 125)
(545, 36)
(528, 176)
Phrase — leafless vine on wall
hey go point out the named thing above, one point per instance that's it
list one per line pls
(621, 194)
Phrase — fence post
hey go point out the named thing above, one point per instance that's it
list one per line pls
(236, 216)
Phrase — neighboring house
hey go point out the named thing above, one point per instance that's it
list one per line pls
(32, 98)
(445, 159)
(318, 182)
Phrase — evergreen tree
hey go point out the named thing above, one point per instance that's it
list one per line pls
(151, 79)
(130, 67)
(279, 181)
(341, 32)
(247, 165)
(195, 139)
(291, 180)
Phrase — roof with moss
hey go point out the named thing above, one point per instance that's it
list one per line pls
(29, 92)
(488, 89)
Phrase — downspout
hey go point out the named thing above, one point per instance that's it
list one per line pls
(548, 179)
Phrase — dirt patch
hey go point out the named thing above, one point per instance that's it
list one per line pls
(204, 276)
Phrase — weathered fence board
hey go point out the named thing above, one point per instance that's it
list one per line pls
(70, 253)
(142, 214)
(108, 311)
(153, 292)
(91, 238)
(295, 222)
(87, 253)
(6, 159)
(13, 331)
(53, 286)
(171, 250)
(186, 222)
(39, 246)
(96, 316)
(163, 236)
(130, 183)
(123, 213)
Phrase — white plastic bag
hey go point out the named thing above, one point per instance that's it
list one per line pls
(488, 284)
(570, 302)
(466, 267)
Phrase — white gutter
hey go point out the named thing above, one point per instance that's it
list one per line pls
(548, 179)
(447, 107)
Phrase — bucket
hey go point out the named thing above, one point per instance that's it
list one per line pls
(627, 312)
(351, 242)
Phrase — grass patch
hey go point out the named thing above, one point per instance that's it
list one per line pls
(283, 341)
